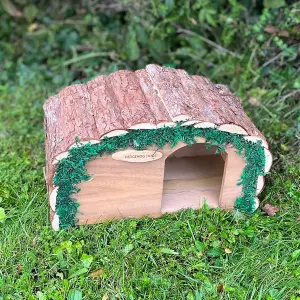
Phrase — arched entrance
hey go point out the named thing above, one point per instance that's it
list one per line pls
(193, 174)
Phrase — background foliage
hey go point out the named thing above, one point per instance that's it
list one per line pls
(252, 46)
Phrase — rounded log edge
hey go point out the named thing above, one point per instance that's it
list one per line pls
(114, 133)
(260, 184)
(269, 160)
(166, 124)
(205, 125)
(143, 126)
(60, 157)
(189, 123)
(52, 199)
(55, 222)
(256, 203)
(232, 128)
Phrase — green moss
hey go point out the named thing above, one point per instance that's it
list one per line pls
(71, 170)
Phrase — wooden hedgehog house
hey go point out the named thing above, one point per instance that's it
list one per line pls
(149, 142)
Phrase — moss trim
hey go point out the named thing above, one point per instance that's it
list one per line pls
(71, 171)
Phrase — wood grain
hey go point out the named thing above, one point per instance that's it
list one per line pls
(184, 177)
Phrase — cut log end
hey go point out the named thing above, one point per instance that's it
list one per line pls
(260, 184)
(233, 129)
(60, 157)
(256, 203)
(55, 222)
(52, 199)
(143, 126)
(189, 123)
(269, 160)
(166, 124)
(114, 133)
(205, 125)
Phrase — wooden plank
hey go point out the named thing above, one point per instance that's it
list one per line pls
(234, 166)
(182, 178)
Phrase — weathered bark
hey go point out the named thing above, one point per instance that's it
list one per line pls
(155, 103)
(146, 98)
(67, 115)
(105, 107)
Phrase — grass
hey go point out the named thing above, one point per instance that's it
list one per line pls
(204, 254)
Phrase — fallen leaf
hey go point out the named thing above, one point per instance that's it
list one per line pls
(32, 27)
(254, 101)
(270, 210)
(10, 8)
(34, 241)
(220, 288)
(283, 33)
(96, 274)
(298, 218)
(228, 251)
(270, 29)
(19, 267)
(105, 297)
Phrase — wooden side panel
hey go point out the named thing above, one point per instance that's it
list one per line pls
(120, 189)
(234, 166)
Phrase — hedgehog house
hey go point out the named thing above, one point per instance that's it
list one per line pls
(146, 143)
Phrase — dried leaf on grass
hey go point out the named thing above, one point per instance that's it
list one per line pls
(270, 210)
(96, 274)
(270, 29)
(220, 288)
(254, 101)
(10, 8)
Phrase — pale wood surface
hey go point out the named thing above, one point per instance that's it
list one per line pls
(183, 177)
(234, 166)
(191, 180)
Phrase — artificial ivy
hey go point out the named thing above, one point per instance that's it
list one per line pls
(71, 171)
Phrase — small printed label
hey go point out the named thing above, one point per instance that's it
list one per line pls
(137, 156)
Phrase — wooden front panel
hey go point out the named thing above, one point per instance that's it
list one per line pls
(121, 189)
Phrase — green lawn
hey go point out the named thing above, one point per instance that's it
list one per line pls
(205, 254)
